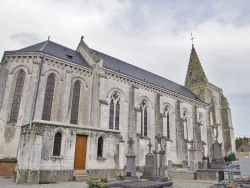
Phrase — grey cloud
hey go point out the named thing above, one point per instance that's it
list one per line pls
(25, 38)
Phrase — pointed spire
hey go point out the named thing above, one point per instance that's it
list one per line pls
(195, 73)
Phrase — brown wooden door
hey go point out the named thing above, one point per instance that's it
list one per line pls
(80, 152)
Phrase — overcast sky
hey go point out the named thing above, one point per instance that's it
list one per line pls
(151, 34)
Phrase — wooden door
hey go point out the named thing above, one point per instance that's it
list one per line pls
(80, 152)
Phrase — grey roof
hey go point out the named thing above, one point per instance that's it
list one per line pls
(56, 50)
(143, 75)
(59, 51)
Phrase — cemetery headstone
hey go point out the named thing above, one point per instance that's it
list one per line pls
(218, 161)
(130, 170)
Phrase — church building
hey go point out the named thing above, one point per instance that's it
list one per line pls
(65, 110)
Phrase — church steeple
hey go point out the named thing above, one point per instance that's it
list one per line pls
(195, 74)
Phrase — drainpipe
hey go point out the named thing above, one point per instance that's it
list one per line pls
(36, 90)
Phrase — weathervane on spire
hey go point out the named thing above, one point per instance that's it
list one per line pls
(192, 38)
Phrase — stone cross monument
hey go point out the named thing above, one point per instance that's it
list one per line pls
(217, 158)
(159, 160)
(149, 146)
(191, 156)
(130, 170)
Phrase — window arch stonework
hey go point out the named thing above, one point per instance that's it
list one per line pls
(75, 103)
(48, 98)
(114, 111)
(17, 97)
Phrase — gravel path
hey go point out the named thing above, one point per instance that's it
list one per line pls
(6, 182)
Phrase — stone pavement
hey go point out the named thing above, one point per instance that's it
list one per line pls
(8, 183)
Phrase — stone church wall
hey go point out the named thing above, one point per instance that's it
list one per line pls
(189, 120)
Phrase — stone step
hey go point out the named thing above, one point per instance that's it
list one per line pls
(81, 178)
(80, 175)
(79, 172)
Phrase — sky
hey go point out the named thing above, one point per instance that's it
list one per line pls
(151, 34)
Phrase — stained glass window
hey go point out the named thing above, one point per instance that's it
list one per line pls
(48, 99)
(75, 103)
(100, 147)
(144, 118)
(111, 114)
(145, 122)
(117, 110)
(57, 144)
(17, 97)
(168, 126)
(114, 111)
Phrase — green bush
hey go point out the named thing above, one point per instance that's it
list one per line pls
(94, 183)
(232, 156)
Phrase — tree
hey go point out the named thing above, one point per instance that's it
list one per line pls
(239, 141)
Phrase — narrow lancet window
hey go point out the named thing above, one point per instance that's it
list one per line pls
(75, 103)
(17, 97)
(144, 118)
(185, 122)
(57, 144)
(48, 99)
(114, 111)
(168, 126)
(100, 147)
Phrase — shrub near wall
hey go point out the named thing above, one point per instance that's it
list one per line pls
(7, 166)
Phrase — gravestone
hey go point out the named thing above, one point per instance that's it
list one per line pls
(149, 164)
(159, 168)
(130, 171)
(191, 152)
(216, 172)
(185, 164)
(217, 158)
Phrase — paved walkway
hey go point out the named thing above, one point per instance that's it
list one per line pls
(6, 182)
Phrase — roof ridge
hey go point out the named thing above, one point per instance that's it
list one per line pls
(45, 44)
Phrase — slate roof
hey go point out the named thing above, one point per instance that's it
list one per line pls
(143, 75)
(59, 51)
(56, 50)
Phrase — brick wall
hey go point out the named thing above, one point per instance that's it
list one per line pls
(7, 168)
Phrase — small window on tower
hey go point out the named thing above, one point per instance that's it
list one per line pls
(190, 74)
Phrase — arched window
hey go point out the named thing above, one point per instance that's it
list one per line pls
(168, 126)
(185, 118)
(144, 118)
(17, 97)
(100, 147)
(114, 111)
(48, 99)
(57, 144)
(200, 120)
(75, 103)
(167, 113)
